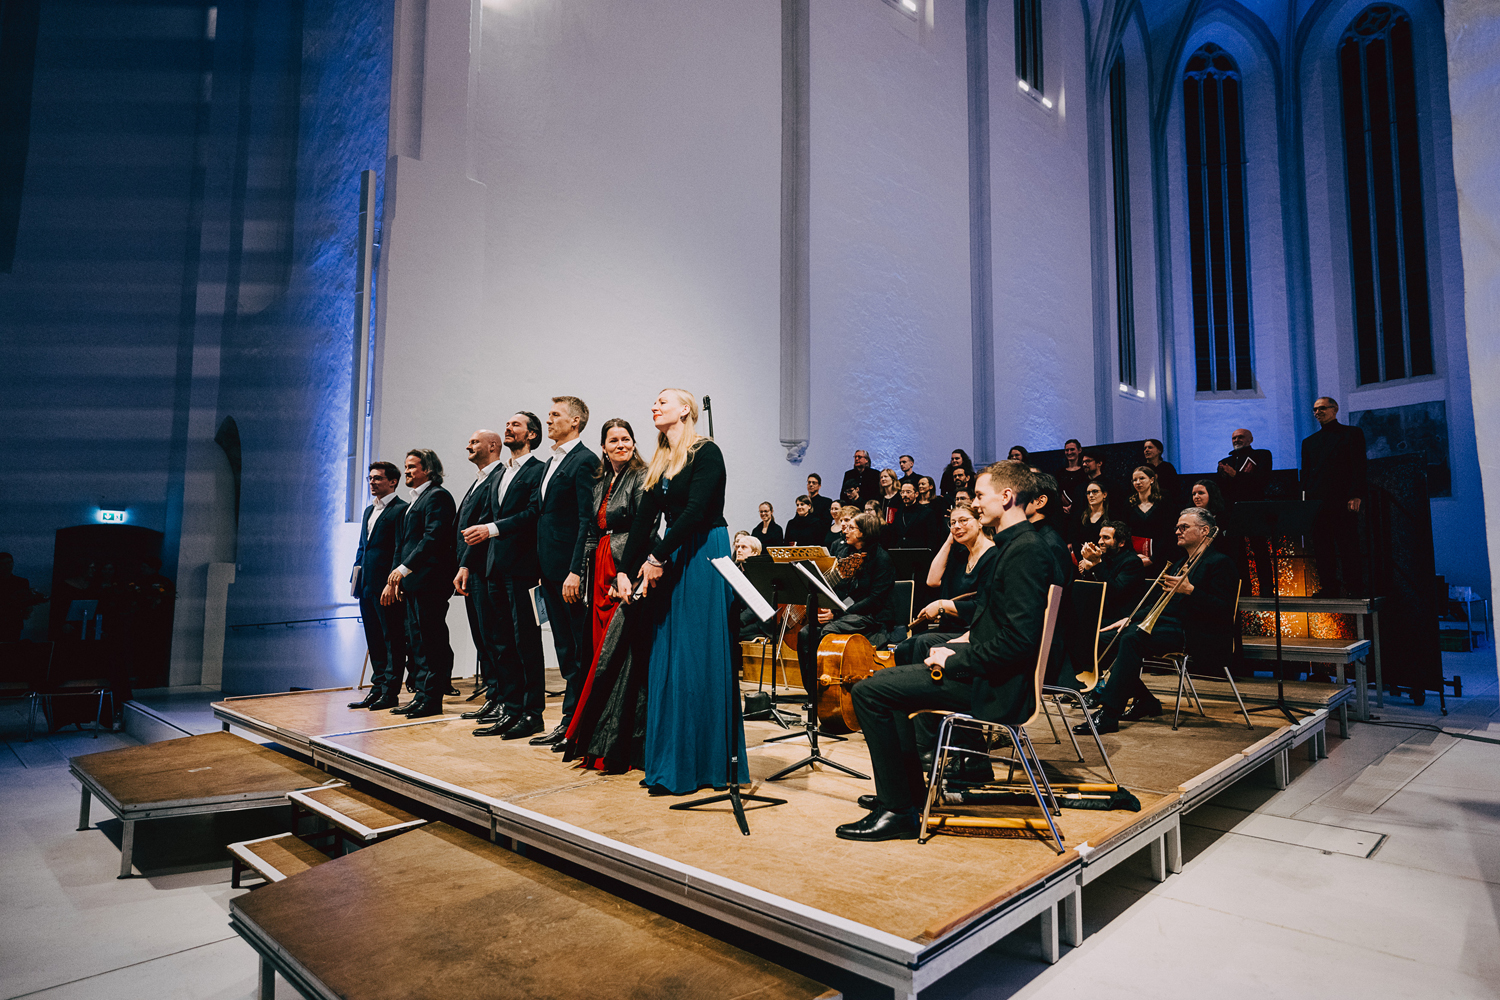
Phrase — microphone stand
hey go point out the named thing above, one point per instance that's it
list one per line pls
(708, 411)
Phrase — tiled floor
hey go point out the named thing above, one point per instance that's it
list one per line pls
(1248, 917)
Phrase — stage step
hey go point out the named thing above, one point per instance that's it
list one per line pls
(355, 815)
(274, 858)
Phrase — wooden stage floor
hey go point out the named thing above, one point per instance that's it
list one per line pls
(916, 911)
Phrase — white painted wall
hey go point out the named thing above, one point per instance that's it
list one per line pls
(1044, 339)
(889, 271)
(1205, 421)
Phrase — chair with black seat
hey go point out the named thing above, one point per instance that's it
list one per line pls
(59, 681)
(1178, 663)
(1083, 646)
(23, 669)
(1015, 731)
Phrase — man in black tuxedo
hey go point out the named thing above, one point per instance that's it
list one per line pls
(385, 627)
(472, 583)
(563, 503)
(515, 697)
(424, 580)
(1244, 475)
(1333, 477)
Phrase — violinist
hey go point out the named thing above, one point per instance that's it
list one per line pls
(867, 578)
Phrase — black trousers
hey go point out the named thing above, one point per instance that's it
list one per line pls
(385, 636)
(484, 627)
(1335, 544)
(812, 634)
(519, 683)
(883, 702)
(1125, 676)
(432, 656)
(571, 637)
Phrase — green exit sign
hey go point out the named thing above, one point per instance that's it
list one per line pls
(112, 516)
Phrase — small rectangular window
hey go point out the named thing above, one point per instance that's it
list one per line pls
(1029, 43)
(1124, 282)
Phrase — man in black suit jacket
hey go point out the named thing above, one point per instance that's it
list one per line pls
(424, 580)
(1333, 477)
(989, 676)
(563, 503)
(861, 483)
(385, 627)
(517, 695)
(472, 583)
(1244, 475)
(1112, 561)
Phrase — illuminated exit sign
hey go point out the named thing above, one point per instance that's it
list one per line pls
(112, 516)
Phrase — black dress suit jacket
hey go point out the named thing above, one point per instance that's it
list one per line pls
(1206, 615)
(1007, 613)
(512, 552)
(377, 551)
(475, 508)
(1246, 485)
(1333, 465)
(1124, 577)
(425, 544)
(562, 514)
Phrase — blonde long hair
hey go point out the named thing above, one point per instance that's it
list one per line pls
(670, 459)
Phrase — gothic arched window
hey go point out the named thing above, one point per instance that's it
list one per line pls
(1387, 244)
(1213, 111)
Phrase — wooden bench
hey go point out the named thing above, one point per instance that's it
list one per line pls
(210, 773)
(1339, 652)
(1361, 608)
(273, 858)
(437, 912)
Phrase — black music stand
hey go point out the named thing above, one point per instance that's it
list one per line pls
(798, 589)
(773, 581)
(1269, 518)
(733, 796)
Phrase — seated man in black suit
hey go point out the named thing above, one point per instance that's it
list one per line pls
(423, 579)
(1200, 616)
(869, 587)
(988, 676)
(1113, 562)
(513, 704)
(385, 627)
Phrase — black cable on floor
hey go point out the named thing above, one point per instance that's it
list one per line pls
(1435, 729)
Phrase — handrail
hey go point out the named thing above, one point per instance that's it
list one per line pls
(301, 621)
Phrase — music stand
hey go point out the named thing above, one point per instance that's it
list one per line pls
(1269, 518)
(734, 796)
(773, 580)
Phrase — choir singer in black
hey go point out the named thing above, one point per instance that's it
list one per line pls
(424, 580)
(385, 627)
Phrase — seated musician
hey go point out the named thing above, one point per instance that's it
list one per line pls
(1112, 561)
(1199, 615)
(955, 574)
(745, 623)
(807, 527)
(870, 584)
(1043, 512)
(989, 676)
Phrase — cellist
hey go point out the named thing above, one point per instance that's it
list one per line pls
(869, 584)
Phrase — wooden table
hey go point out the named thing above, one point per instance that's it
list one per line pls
(1361, 608)
(437, 912)
(214, 772)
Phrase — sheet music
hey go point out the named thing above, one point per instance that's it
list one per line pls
(742, 586)
(822, 585)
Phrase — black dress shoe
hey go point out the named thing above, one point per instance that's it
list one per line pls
(869, 802)
(555, 736)
(560, 746)
(525, 725)
(365, 702)
(491, 707)
(502, 725)
(882, 824)
(408, 707)
(1104, 722)
(425, 710)
(389, 701)
(1143, 708)
(454, 692)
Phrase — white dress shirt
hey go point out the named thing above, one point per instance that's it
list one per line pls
(559, 452)
(380, 504)
(404, 569)
(508, 475)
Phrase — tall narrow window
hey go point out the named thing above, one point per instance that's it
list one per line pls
(1124, 283)
(1388, 248)
(1029, 43)
(1213, 110)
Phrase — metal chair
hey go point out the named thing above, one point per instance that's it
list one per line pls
(1178, 663)
(54, 687)
(1025, 753)
(1088, 616)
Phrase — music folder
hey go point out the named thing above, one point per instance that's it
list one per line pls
(743, 587)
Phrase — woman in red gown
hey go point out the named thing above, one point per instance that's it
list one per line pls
(609, 725)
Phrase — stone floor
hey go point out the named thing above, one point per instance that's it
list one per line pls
(1276, 897)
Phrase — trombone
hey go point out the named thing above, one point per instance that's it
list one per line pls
(1148, 623)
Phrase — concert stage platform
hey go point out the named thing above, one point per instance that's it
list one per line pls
(900, 913)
